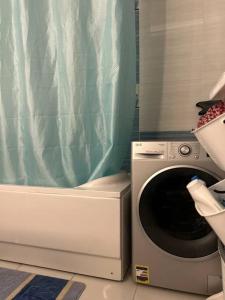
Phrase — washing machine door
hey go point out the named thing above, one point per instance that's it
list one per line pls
(168, 215)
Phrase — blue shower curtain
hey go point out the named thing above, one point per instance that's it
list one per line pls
(67, 89)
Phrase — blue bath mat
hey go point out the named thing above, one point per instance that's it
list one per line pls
(17, 285)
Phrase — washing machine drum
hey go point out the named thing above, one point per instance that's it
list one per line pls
(168, 215)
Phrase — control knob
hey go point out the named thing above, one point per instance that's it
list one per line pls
(185, 150)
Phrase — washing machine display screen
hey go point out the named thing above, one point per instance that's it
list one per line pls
(168, 215)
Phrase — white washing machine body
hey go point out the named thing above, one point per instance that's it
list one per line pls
(172, 245)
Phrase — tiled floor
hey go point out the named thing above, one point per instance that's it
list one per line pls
(100, 289)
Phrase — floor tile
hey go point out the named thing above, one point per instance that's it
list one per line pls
(102, 289)
(9, 265)
(46, 272)
(152, 293)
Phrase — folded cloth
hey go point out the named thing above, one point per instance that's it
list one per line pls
(213, 112)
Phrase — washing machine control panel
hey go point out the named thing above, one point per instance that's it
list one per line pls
(170, 150)
(186, 151)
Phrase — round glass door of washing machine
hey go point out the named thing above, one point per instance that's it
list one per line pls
(168, 216)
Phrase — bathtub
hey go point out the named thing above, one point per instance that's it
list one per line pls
(83, 230)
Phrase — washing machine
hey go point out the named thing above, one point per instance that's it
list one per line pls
(172, 245)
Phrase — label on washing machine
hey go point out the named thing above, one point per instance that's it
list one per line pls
(142, 274)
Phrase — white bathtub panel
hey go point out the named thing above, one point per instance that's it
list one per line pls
(62, 222)
(97, 266)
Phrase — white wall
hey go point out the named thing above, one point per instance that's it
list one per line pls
(182, 54)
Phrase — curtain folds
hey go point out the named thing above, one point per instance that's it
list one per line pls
(67, 89)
